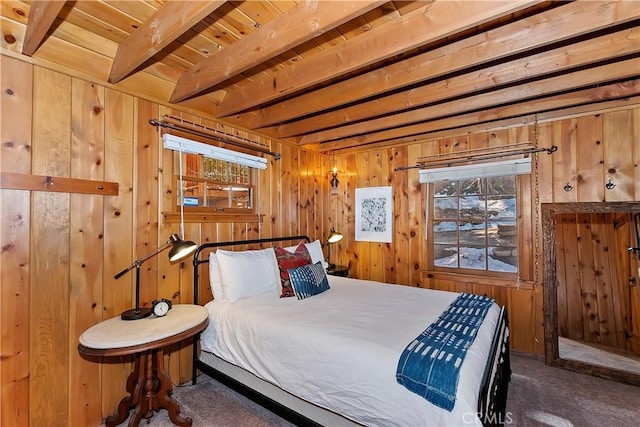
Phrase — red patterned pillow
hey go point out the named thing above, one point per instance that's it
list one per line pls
(288, 260)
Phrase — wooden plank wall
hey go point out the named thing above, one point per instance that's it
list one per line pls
(15, 238)
(61, 250)
(595, 300)
(592, 150)
(588, 299)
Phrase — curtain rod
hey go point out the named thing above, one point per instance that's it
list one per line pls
(162, 123)
(550, 150)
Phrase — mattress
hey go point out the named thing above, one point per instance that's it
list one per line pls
(340, 349)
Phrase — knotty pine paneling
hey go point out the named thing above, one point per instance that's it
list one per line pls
(399, 270)
(146, 195)
(590, 159)
(609, 310)
(62, 250)
(50, 252)
(86, 233)
(294, 198)
(172, 284)
(15, 213)
(564, 160)
(594, 302)
(590, 147)
(571, 250)
(619, 132)
(117, 295)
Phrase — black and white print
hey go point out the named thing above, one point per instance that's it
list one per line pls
(374, 214)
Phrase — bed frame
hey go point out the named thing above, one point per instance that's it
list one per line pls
(492, 400)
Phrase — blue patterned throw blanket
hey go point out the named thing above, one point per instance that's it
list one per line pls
(430, 365)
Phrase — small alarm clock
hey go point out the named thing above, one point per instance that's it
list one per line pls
(160, 307)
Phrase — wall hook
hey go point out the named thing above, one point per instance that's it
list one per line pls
(568, 187)
(610, 185)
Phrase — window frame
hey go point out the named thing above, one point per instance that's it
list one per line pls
(430, 250)
(176, 207)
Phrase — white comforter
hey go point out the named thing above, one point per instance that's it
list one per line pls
(340, 349)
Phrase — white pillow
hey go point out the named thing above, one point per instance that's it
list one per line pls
(248, 273)
(315, 250)
(214, 277)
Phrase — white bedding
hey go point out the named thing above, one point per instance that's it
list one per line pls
(340, 349)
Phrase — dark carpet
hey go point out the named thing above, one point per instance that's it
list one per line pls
(539, 395)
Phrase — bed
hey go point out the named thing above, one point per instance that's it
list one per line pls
(333, 358)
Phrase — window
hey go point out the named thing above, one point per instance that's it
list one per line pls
(212, 184)
(473, 225)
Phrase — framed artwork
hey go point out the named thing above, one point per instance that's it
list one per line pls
(374, 214)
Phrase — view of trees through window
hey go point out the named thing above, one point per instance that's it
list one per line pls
(474, 224)
(216, 185)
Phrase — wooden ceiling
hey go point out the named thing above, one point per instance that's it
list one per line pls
(343, 74)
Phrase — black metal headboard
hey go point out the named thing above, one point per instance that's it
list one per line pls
(197, 261)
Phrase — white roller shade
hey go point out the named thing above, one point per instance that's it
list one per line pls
(480, 170)
(177, 143)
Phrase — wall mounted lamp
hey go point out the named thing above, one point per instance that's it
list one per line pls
(334, 237)
(180, 249)
(334, 180)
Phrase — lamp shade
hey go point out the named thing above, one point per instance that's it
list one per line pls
(180, 249)
(334, 236)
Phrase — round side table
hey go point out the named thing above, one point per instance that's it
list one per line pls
(149, 385)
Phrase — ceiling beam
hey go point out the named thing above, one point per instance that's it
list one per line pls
(552, 26)
(456, 126)
(435, 121)
(41, 17)
(294, 27)
(563, 59)
(410, 31)
(166, 25)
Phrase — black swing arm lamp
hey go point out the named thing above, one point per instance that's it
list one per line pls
(180, 249)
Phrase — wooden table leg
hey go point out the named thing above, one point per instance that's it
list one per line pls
(149, 387)
(125, 405)
(162, 396)
(143, 388)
